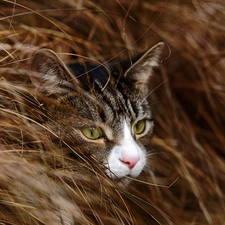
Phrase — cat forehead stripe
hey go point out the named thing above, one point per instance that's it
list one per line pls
(116, 101)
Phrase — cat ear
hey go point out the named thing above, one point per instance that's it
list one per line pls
(49, 74)
(141, 71)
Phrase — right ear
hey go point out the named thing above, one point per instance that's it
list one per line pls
(49, 74)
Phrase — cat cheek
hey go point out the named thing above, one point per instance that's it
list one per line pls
(114, 167)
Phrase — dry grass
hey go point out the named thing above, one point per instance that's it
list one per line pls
(185, 184)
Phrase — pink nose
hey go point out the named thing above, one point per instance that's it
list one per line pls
(130, 161)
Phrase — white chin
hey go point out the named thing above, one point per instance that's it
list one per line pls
(123, 173)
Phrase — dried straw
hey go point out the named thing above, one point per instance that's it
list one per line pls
(184, 182)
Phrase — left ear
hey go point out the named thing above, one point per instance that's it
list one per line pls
(49, 74)
(141, 71)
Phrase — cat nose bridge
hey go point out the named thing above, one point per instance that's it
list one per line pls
(129, 151)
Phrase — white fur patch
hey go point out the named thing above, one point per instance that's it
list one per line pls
(126, 150)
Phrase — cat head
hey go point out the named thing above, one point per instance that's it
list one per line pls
(103, 110)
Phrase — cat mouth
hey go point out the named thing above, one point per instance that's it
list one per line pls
(119, 177)
(114, 175)
(123, 181)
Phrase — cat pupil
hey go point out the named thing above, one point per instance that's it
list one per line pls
(139, 127)
(92, 133)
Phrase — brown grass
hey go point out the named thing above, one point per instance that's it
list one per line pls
(186, 184)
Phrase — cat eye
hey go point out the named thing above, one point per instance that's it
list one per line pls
(92, 133)
(139, 127)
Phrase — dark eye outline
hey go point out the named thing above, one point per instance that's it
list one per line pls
(148, 127)
(91, 130)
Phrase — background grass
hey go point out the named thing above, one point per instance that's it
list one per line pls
(185, 181)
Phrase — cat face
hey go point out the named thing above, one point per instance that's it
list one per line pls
(101, 111)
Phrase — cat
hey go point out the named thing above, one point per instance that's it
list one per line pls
(72, 138)
(112, 119)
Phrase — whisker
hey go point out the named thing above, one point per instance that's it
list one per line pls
(152, 153)
(154, 185)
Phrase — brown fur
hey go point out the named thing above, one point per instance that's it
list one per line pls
(184, 183)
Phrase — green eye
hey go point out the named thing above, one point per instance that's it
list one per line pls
(139, 127)
(92, 133)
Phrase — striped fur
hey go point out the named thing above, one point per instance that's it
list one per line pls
(102, 98)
